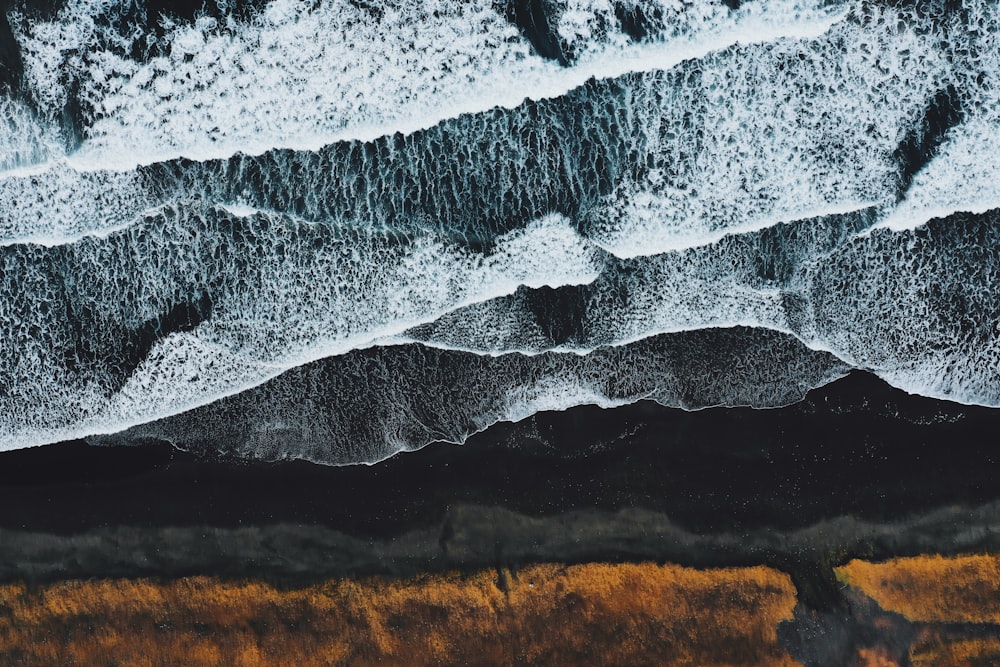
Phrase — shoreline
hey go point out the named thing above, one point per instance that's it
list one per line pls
(856, 470)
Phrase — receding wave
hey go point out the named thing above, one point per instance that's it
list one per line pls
(366, 405)
(196, 303)
(918, 307)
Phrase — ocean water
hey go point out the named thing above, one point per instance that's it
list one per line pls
(334, 231)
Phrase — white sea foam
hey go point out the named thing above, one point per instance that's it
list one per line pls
(759, 279)
(963, 177)
(918, 307)
(277, 263)
(57, 204)
(756, 136)
(746, 137)
(412, 395)
(281, 304)
(301, 77)
(25, 140)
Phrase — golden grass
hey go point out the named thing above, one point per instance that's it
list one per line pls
(935, 651)
(630, 614)
(936, 589)
(962, 589)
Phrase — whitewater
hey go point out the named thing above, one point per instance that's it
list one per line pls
(339, 230)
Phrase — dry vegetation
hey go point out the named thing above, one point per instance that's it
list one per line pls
(938, 590)
(586, 614)
(600, 614)
(933, 650)
(960, 589)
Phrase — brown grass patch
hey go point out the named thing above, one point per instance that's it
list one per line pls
(932, 650)
(584, 614)
(963, 589)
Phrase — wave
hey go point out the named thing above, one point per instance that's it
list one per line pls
(174, 333)
(366, 405)
(758, 279)
(643, 162)
(917, 307)
(60, 205)
(196, 303)
(304, 75)
(827, 184)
